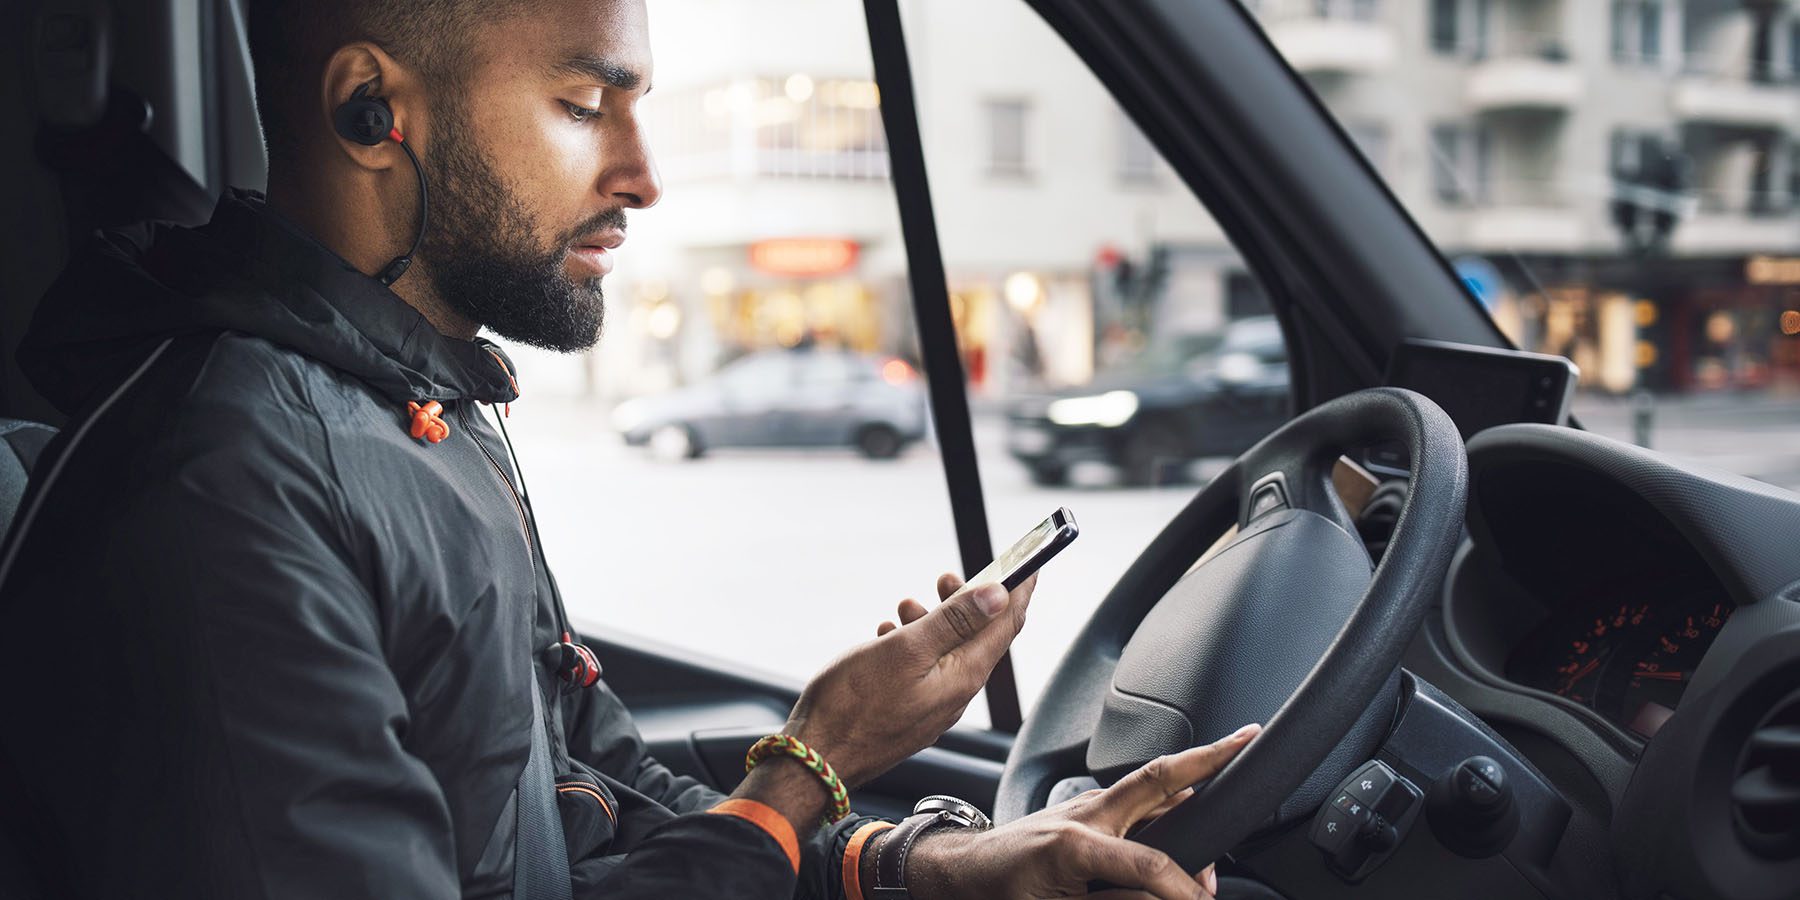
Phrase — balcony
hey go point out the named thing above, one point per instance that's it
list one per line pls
(1729, 222)
(1335, 46)
(1525, 217)
(1524, 229)
(1736, 101)
(1527, 74)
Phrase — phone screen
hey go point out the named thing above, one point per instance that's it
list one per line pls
(1037, 545)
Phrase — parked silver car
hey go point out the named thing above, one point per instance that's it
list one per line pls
(784, 398)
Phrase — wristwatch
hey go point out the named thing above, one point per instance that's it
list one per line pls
(935, 811)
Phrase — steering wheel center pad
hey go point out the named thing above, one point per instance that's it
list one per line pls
(1232, 641)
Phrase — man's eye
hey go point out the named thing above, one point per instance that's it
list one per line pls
(578, 112)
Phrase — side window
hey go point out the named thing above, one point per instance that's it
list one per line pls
(763, 377)
(742, 471)
(1118, 350)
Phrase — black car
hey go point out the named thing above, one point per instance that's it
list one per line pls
(1210, 395)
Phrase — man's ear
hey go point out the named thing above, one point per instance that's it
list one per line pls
(365, 65)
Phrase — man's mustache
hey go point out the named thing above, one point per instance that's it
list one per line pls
(609, 220)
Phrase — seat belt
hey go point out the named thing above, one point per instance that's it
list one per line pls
(540, 855)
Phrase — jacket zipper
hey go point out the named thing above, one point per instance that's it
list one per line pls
(518, 504)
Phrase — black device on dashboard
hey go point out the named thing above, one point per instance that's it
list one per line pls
(1479, 387)
(1029, 553)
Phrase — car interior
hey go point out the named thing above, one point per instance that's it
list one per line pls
(1428, 660)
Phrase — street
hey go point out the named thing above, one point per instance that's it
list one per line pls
(777, 560)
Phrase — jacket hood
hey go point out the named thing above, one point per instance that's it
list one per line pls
(247, 270)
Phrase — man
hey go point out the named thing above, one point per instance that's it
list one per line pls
(277, 610)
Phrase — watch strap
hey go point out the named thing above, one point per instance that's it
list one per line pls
(891, 853)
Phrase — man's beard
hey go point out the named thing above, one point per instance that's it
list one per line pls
(483, 257)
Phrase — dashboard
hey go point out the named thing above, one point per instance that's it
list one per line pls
(1632, 625)
(1578, 594)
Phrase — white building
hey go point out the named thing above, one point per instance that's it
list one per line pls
(1500, 124)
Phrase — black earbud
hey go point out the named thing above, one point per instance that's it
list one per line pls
(364, 119)
(574, 663)
(368, 121)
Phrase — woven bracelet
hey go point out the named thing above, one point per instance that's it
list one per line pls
(788, 745)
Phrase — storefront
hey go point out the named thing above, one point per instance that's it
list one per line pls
(1675, 325)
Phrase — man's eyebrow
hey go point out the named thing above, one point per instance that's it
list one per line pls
(622, 77)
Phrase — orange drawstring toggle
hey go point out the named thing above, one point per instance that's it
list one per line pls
(426, 422)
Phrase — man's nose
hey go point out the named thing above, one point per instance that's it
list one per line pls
(631, 178)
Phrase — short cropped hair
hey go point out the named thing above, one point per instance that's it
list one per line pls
(291, 40)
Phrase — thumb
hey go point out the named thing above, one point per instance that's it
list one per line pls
(960, 619)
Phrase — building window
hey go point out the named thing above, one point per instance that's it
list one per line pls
(1631, 149)
(1793, 179)
(1621, 31)
(1794, 50)
(1764, 200)
(1445, 28)
(1137, 156)
(1461, 161)
(1006, 121)
(1637, 31)
(1358, 10)
(1460, 27)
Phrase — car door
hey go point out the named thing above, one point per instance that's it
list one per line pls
(753, 398)
(822, 409)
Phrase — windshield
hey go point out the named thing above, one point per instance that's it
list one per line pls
(1615, 182)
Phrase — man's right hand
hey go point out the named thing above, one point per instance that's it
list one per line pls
(887, 699)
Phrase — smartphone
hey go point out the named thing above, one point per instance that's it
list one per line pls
(1029, 553)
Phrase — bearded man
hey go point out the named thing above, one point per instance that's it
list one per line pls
(279, 623)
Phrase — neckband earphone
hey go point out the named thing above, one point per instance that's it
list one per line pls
(368, 120)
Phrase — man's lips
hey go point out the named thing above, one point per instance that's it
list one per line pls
(595, 251)
(607, 239)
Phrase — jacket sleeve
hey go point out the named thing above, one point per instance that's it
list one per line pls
(602, 735)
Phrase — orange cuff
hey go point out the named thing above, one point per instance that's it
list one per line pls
(769, 821)
(853, 858)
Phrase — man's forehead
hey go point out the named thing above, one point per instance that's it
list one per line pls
(605, 40)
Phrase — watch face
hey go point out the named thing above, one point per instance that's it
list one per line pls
(961, 812)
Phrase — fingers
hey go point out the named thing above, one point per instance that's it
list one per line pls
(911, 611)
(947, 584)
(1132, 865)
(962, 619)
(1209, 880)
(1160, 780)
(1021, 601)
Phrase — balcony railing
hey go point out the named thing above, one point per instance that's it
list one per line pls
(1735, 93)
(1523, 71)
(1331, 36)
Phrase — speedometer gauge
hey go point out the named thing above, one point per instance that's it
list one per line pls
(1589, 653)
(1659, 673)
(1629, 662)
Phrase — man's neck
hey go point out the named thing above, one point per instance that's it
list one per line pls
(343, 232)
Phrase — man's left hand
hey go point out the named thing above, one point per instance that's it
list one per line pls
(1056, 852)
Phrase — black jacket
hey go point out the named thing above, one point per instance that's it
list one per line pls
(259, 641)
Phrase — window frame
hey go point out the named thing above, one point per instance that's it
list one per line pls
(1019, 108)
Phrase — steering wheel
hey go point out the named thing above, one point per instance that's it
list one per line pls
(1285, 626)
